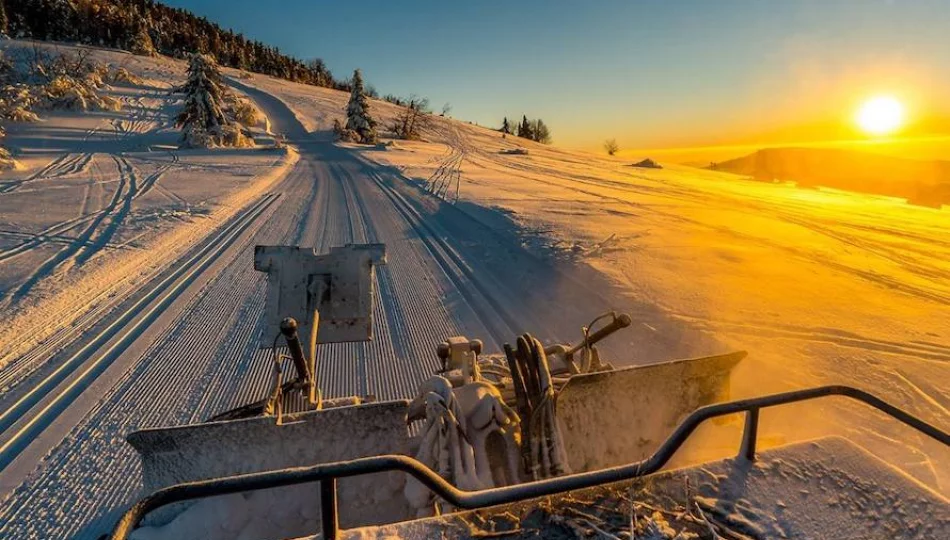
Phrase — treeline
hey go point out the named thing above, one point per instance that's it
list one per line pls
(148, 27)
(535, 130)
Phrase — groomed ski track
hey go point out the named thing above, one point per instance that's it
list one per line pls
(186, 348)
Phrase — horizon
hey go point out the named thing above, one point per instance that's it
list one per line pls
(661, 79)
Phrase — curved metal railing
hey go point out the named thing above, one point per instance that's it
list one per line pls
(328, 473)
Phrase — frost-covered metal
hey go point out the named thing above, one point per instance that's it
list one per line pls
(338, 286)
(486, 421)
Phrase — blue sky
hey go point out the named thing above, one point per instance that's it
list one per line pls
(650, 73)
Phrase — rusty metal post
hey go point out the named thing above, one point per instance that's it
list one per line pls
(328, 509)
(749, 434)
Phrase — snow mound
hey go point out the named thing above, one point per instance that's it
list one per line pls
(647, 164)
(122, 75)
(229, 136)
(6, 161)
(245, 112)
(15, 103)
(514, 152)
(70, 94)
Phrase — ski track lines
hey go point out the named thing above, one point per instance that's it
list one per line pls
(101, 227)
(449, 170)
(458, 271)
(923, 351)
(21, 367)
(89, 358)
(408, 307)
(50, 234)
(65, 165)
(208, 360)
(97, 439)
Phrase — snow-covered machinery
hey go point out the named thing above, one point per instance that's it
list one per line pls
(482, 421)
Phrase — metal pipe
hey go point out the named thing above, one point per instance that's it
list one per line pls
(288, 327)
(749, 434)
(508, 494)
(622, 321)
(329, 510)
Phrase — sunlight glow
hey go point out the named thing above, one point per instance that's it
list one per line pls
(880, 115)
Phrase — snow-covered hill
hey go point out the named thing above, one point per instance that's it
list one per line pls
(920, 182)
(103, 198)
(821, 286)
(151, 304)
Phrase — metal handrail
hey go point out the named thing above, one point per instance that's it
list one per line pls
(328, 473)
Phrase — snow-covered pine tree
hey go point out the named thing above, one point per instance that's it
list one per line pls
(203, 122)
(358, 119)
(141, 43)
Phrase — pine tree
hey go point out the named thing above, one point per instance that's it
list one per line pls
(172, 31)
(505, 126)
(3, 18)
(61, 22)
(524, 130)
(358, 118)
(202, 119)
(142, 42)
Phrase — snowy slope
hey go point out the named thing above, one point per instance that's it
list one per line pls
(104, 199)
(820, 286)
(195, 354)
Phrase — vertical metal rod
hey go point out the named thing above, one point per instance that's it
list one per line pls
(328, 509)
(749, 434)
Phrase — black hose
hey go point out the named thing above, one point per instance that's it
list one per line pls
(522, 404)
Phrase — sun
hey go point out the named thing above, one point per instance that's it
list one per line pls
(880, 115)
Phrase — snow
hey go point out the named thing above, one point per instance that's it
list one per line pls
(102, 198)
(820, 286)
(827, 488)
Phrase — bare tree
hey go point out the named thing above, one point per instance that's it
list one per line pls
(446, 109)
(412, 120)
(540, 132)
(611, 146)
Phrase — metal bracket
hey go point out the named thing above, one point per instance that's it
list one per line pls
(339, 286)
